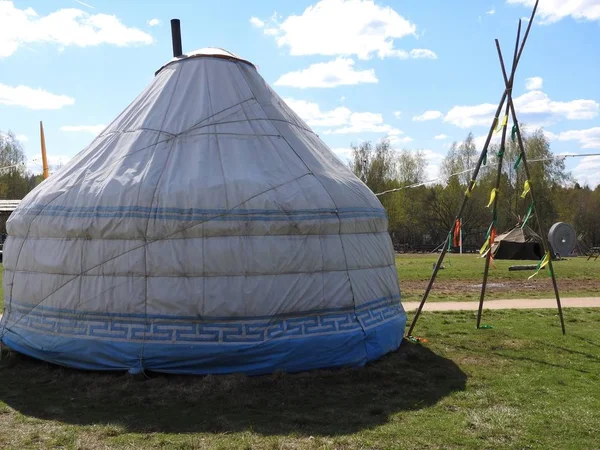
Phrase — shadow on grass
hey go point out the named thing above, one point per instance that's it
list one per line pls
(322, 402)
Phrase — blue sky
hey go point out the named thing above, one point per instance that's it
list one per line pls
(421, 72)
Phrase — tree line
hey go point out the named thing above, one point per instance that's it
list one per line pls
(421, 215)
(15, 180)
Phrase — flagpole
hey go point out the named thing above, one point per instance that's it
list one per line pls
(44, 159)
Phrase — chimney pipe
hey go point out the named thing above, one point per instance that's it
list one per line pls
(176, 37)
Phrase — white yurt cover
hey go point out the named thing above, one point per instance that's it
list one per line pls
(207, 229)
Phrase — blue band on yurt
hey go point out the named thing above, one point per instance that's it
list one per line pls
(336, 337)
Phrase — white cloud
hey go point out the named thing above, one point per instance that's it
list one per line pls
(64, 27)
(534, 83)
(343, 153)
(440, 137)
(397, 114)
(311, 113)
(427, 115)
(365, 122)
(589, 138)
(588, 171)
(491, 12)
(434, 161)
(256, 22)
(551, 11)
(153, 22)
(480, 140)
(537, 103)
(92, 129)
(549, 135)
(333, 73)
(22, 138)
(395, 139)
(469, 116)
(533, 107)
(422, 53)
(341, 120)
(345, 27)
(32, 98)
(342, 98)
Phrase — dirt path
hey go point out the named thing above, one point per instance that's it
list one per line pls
(519, 303)
(523, 287)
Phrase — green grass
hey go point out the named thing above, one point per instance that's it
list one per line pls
(462, 276)
(471, 266)
(520, 384)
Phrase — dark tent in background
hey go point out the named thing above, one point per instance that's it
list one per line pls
(518, 243)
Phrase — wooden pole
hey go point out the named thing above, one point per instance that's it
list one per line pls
(44, 159)
(488, 255)
(473, 179)
(524, 160)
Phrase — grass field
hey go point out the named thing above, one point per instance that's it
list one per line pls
(461, 278)
(520, 384)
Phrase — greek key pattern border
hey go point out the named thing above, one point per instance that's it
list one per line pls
(173, 330)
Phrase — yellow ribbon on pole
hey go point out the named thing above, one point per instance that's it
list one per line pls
(484, 247)
(501, 124)
(526, 189)
(470, 188)
(492, 197)
(543, 263)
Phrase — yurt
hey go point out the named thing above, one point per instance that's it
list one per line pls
(207, 229)
(518, 243)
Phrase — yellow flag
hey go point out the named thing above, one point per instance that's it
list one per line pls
(492, 197)
(543, 263)
(526, 189)
(501, 124)
(484, 247)
(470, 188)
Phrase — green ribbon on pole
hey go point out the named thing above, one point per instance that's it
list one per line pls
(449, 241)
(543, 263)
(529, 211)
(501, 152)
(518, 161)
(489, 231)
(513, 133)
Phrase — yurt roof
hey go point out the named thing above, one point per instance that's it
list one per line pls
(207, 52)
(519, 235)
